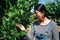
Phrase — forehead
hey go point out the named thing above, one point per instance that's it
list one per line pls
(36, 11)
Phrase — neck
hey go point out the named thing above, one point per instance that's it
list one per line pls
(45, 21)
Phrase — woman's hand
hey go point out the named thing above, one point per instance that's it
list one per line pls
(20, 26)
(23, 28)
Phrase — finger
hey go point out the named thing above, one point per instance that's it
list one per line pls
(19, 25)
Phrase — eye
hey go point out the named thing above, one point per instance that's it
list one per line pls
(34, 12)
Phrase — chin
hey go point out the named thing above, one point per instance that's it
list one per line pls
(39, 19)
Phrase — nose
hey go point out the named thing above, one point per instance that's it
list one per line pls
(35, 14)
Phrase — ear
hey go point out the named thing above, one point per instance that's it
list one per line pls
(43, 12)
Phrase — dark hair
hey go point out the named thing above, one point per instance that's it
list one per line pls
(40, 8)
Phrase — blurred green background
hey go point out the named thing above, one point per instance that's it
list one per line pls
(19, 11)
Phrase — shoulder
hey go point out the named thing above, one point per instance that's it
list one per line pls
(53, 23)
(35, 23)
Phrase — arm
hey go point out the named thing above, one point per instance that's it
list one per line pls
(30, 32)
(55, 32)
(30, 35)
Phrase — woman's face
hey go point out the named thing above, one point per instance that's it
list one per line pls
(39, 15)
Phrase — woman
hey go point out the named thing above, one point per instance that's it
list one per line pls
(44, 28)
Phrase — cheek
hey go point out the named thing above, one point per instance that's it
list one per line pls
(36, 15)
(39, 15)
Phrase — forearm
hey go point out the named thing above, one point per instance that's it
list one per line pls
(30, 33)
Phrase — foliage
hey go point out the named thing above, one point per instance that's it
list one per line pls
(53, 9)
(15, 11)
